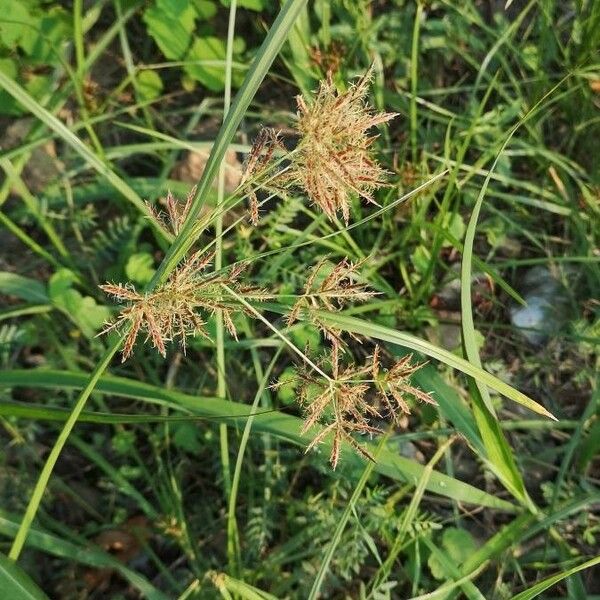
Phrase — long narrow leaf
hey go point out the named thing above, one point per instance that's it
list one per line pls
(543, 585)
(21, 95)
(16, 584)
(406, 340)
(91, 556)
(286, 427)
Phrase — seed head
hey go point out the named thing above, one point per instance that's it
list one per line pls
(176, 213)
(345, 402)
(257, 166)
(394, 383)
(170, 312)
(331, 292)
(333, 159)
(340, 404)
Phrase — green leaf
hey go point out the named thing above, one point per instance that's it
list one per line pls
(306, 336)
(205, 9)
(286, 386)
(11, 32)
(8, 105)
(185, 437)
(24, 288)
(170, 24)
(420, 258)
(454, 223)
(82, 310)
(256, 5)
(543, 585)
(16, 584)
(149, 84)
(90, 555)
(140, 267)
(286, 427)
(459, 545)
(43, 43)
(207, 48)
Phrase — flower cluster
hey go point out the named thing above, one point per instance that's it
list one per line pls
(345, 402)
(333, 159)
(331, 163)
(171, 311)
(181, 306)
(257, 166)
(331, 292)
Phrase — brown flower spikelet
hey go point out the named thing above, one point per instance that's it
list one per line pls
(341, 403)
(257, 165)
(170, 311)
(176, 212)
(333, 158)
(331, 293)
(394, 383)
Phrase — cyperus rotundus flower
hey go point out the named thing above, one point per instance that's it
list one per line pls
(333, 159)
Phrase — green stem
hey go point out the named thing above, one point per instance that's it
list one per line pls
(414, 62)
(232, 530)
(42, 482)
(232, 536)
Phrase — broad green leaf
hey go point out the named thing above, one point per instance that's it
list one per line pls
(459, 545)
(17, 25)
(284, 426)
(15, 584)
(140, 268)
(449, 569)
(256, 5)
(171, 23)
(25, 288)
(205, 9)
(82, 310)
(42, 44)
(207, 49)
(149, 84)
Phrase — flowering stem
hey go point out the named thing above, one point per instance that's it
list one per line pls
(414, 57)
(278, 333)
(232, 534)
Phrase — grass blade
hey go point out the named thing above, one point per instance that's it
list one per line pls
(543, 585)
(91, 556)
(285, 427)
(16, 584)
(21, 95)
(339, 530)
